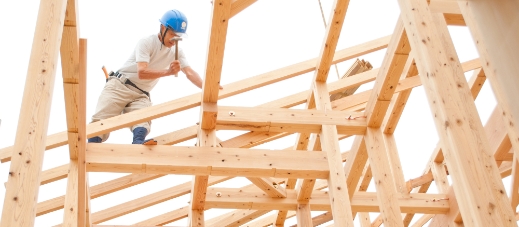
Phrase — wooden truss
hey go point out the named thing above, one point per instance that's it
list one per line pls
(291, 181)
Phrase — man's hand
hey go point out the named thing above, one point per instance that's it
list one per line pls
(174, 67)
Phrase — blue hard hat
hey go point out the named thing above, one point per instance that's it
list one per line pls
(175, 20)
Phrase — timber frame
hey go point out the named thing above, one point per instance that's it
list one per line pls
(420, 52)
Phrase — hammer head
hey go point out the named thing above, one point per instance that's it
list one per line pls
(176, 38)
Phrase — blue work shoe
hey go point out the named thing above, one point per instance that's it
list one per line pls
(95, 139)
(139, 134)
(139, 137)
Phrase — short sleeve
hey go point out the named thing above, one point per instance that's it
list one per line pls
(143, 51)
(183, 59)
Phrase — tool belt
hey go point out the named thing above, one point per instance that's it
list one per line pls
(129, 82)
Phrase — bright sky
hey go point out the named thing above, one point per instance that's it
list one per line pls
(268, 35)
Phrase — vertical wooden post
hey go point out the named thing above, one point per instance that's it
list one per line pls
(75, 199)
(26, 161)
(476, 181)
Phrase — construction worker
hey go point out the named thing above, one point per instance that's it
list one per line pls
(128, 89)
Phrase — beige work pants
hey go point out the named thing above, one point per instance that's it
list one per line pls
(119, 98)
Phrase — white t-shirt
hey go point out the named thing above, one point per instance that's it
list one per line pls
(158, 57)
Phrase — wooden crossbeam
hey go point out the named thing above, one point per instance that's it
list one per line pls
(236, 218)
(361, 202)
(160, 110)
(288, 120)
(27, 152)
(205, 161)
(450, 100)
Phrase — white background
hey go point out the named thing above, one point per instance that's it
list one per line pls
(266, 36)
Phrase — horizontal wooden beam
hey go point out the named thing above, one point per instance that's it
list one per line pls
(226, 198)
(216, 161)
(288, 120)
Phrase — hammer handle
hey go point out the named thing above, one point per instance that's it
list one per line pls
(176, 54)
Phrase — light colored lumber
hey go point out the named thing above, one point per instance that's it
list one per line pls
(75, 198)
(489, 24)
(384, 180)
(361, 202)
(269, 220)
(399, 100)
(160, 110)
(514, 186)
(364, 219)
(337, 189)
(456, 119)
(355, 163)
(146, 201)
(444, 6)
(269, 186)
(217, 36)
(71, 214)
(24, 173)
(333, 30)
(423, 220)
(239, 5)
(205, 161)
(206, 138)
(54, 174)
(303, 215)
(388, 76)
(288, 120)
(235, 218)
(166, 218)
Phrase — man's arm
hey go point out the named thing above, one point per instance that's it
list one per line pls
(193, 76)
(148, 74)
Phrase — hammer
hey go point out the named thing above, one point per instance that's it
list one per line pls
(176, 39)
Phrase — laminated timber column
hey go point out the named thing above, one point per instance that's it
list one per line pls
(208, 109)
(495, 28)
(73, 61)
(476, 181)
(75, 105)
(24, 173)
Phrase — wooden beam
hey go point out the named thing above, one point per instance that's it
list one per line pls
(456, 116)
(75, 199)
(399, 100)
(235, 218)
(333, 30)
(205, 161)
(444, 6)
(217, 36)
(361, 202)
(338, 191)
(489, 24)
(239, 5)
(206, 138)
(165, 218)
(288, 120)
(160, 110)
(24, 173)
(97, 191)
(388, 77)
(54, 174)
(384, 180)
(146, 201)
(304, 217)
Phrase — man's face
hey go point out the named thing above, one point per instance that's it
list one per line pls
(167, 38)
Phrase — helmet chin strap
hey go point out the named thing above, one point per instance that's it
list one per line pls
(164, 34)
